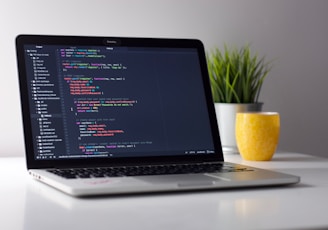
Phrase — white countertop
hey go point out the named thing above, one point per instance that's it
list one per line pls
(29, 205)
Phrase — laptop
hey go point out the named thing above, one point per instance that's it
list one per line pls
(119, 115)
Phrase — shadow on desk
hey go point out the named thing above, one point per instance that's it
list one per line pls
(47, 208)
(288, 207)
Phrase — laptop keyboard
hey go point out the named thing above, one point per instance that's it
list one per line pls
(147, 170)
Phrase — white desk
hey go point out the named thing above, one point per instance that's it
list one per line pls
(29, 205)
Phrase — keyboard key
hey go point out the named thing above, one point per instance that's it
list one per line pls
(146, 170)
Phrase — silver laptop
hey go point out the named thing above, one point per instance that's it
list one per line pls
(116, 115)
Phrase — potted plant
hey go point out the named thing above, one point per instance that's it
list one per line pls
(236, 77)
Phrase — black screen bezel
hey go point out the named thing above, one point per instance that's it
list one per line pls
(22, 40)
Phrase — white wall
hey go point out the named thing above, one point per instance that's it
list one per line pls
(295, 32)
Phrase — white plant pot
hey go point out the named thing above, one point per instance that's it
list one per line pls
(226, 116)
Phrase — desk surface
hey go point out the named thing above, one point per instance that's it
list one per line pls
(27, 204)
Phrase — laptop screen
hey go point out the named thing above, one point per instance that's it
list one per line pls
(115, 101)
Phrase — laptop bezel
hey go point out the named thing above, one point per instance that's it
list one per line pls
(32, 163)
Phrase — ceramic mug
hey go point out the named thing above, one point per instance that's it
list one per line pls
(257, 134)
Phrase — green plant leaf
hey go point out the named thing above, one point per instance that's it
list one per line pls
(236, 76)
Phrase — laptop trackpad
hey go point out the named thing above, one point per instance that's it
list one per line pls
(183, 180)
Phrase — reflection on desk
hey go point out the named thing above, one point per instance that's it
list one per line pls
(302, 206)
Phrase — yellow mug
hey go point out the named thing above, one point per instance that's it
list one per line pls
(257, 134)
